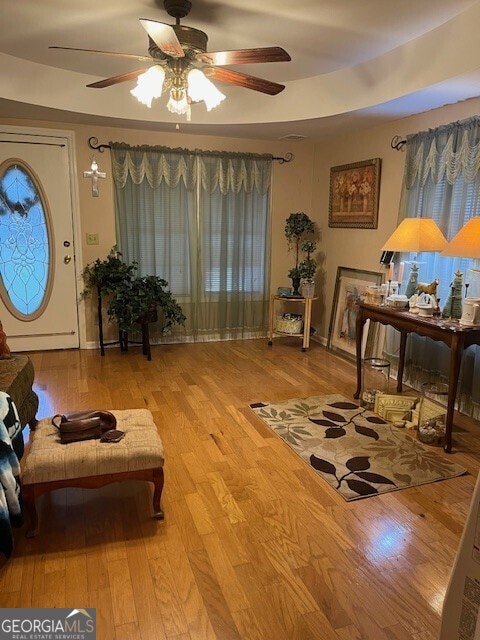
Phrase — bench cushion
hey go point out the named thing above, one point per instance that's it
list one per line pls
(49, 461)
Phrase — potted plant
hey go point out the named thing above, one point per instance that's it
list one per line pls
(132, 299)
(307, 269)
(297, 226)
(106, 275)
(136, 300)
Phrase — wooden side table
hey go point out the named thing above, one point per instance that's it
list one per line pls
(305, 334)
(456, 336)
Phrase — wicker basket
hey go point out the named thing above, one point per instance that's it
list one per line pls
(289, 323)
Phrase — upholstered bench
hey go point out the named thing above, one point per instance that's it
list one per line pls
(90, 464)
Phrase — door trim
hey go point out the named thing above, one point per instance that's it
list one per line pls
(70, 143)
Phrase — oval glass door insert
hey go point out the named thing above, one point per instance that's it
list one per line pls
(25, 246)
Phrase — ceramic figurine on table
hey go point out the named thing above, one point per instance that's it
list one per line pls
(412, 303)
(431, 288)
(453, 306)
(426, 305)
(412, 281)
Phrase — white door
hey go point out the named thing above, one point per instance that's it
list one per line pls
(38, 291)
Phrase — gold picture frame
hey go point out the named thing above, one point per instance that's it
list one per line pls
(396, 409)
(350, 287)
(354, 191)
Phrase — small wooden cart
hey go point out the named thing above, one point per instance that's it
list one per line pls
(305, 334)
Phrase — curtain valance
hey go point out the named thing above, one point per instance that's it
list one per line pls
(443, 153)
(228, 172)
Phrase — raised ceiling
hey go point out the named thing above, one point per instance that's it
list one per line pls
(354, 64)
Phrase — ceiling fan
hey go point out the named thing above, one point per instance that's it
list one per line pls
(182, 64)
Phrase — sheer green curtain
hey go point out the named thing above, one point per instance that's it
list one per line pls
(201, 221)
(442, 181)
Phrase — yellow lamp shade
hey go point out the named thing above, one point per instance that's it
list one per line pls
(466, 244)
(416, 235)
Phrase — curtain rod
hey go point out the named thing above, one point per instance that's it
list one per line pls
(94, 144)
(398, 143)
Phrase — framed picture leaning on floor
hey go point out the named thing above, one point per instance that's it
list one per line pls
(350, 287)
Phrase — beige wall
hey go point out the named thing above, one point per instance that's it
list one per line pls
(301, 185)
(361, 248)
(292, 187)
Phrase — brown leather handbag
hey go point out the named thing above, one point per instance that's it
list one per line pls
(83, 425)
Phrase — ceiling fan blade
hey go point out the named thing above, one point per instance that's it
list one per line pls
(244, 56)
(107, 53)
(243, 80)
(164, 37)
(123, 77)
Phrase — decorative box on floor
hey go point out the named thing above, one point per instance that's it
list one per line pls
(90, 464)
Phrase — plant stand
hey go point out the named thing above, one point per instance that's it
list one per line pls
(145, 341)
(305, 334)
(123, 339)
(100, 326)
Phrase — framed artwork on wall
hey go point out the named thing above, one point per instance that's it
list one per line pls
(354, 190)
(350, 286)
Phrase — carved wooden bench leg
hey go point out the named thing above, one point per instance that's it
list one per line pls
(158, 480)
(31, 514)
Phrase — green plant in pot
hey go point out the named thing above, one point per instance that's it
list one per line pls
(136, 300)
(106, 275)
(131, 299)
(308, 268)
(297, 226)
(294, 275)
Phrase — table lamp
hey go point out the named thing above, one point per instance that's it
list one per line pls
(415, 235)
(466, 244)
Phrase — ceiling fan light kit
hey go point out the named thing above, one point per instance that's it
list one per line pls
(182, 64)
(201, 88)
(149, 85)
(185, 85)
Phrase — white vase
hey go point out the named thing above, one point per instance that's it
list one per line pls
(308, 289)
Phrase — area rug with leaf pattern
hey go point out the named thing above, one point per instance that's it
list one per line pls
(356, 451)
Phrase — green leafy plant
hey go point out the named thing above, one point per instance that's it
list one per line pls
(136, 298)
(297, 226)
(107, 274)
(294, 273)
(308, 266)
(131, 297)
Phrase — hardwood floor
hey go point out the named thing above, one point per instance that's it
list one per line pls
(254, 544)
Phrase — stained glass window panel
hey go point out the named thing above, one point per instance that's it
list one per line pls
(24, 239)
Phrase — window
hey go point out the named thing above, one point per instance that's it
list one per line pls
(461, 200)
(24, 240)
(200, 220)
(442, 180)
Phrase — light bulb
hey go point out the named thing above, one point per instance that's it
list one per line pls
(149, 85)
(200, 88)
(178, 105)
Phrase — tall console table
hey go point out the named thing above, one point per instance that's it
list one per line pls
(456, 336)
